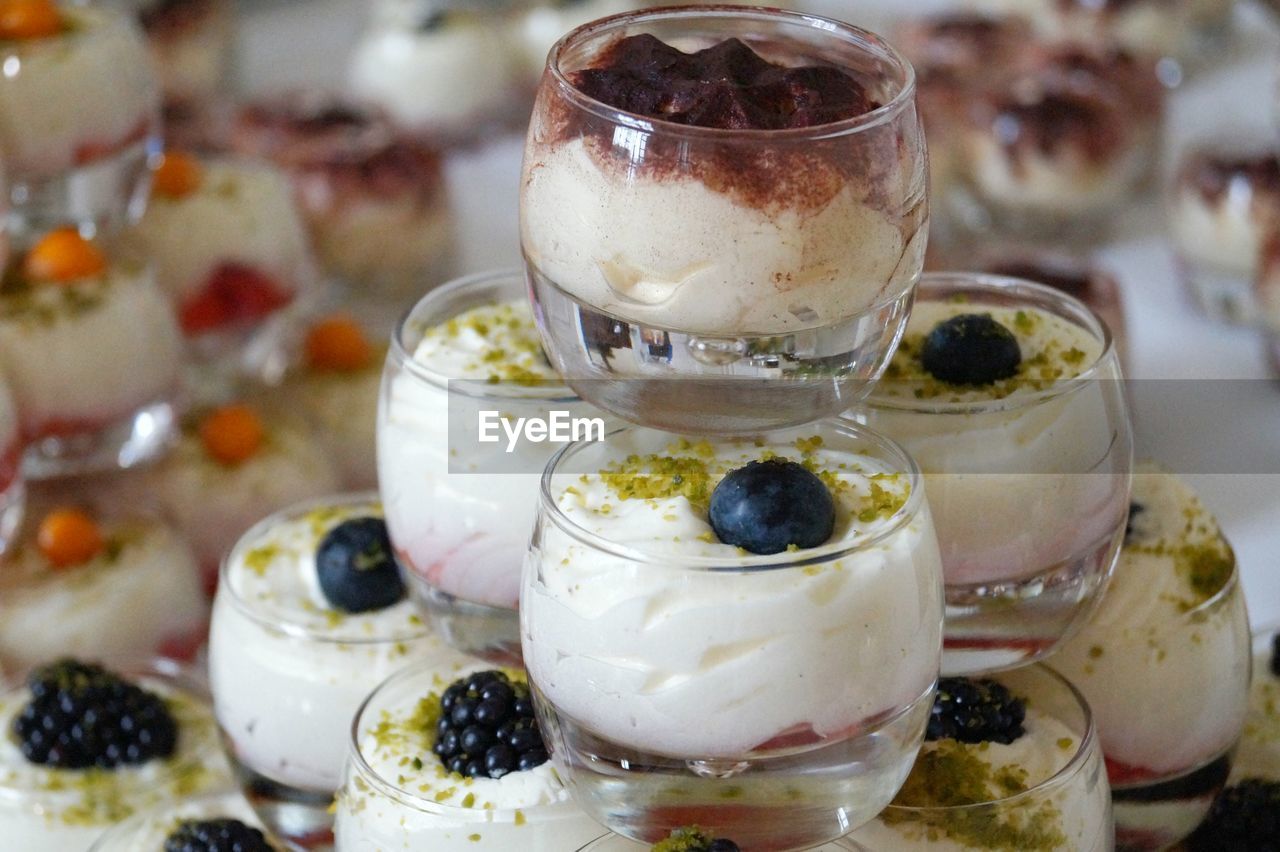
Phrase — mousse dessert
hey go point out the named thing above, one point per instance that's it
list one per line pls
(1259, 753)
(1225, 202)
(191, 43)
(83, 585)
(78, 90)
(63, 303)
(1172, 619)
(448, 760)
(335, 386)
(1008, 395)
(227, 242)
(215, 823)
(232, 466)
(460, 510)
(821, 539)
(1010, 763)
(441, 69)
(311, 615)
(373, 196)
(84, 747)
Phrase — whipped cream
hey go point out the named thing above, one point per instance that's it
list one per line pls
(672, 252)
(139, 598)
(1259, 753)
(288, 670)
(1172, 621)
(398, 794)
(635, 642)
(44, 809)
(52, 340)
(76, 97)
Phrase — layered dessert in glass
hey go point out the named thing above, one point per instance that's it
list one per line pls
(450, 760)
(1008, 394)
(311, 615)
(1172, 619)
(460, 510)
(63, 304)
(723, 214)
(86, 747)
(79, 106)
(218, 822)
(780, 720)
(1011, 764)
(228, 245)
(373, 195)
(85, 585)
(1224, 203)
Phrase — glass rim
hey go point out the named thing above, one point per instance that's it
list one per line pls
(751, 564)
(1087, 746)
(398, 354)
(862, 37)
(1005, 285)
(294, 630)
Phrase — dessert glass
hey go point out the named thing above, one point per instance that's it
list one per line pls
(1029, 491)
(378, 810)
(79, 112)
(705, 280)
(288, 674)
(637, 668)
(459, 511)
(1070, 810)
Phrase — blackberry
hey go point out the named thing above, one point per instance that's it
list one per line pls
(765, 507)
(487, 728)
(1275, 655)
(81, 715)
(975, 711)
(971, 349)
(356, 566)
(1244, 817)
(216, 835)
(694, 839)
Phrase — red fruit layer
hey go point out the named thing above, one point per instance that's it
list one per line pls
(234, 293)
(89, 152)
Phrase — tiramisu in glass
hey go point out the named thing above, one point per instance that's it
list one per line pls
(723, 214)
(1224, 203)
(741, 634)
(1011, 764)
(1008, 394)
(460, 510)
(1172, 619)
(64, 306)
(79, 105)
(374, 196)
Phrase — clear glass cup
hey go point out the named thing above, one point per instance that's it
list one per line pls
(53, 810)
(689, 278)
(1029, 492)
(379, 809)
(1127, 660)
(780, 721)
(79, 112)
(1068, 811)
(288, 678)
(616, 843)
(460, 511)
(1258, 755)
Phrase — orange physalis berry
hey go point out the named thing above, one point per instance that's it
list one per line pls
(69, 537)
(63, 255)
(22, 19)
(178, 175)
(232, 433)
(338, 343)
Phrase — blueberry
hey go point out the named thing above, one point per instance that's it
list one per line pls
(767, 506)
(356, 566)
(971, 349)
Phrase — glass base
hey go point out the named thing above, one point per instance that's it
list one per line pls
(135, 439)
(1155, 815)
(681, 382)
(303, 818)
(102, 196)
(789, 800)
(990, 627)
(489, 632)
(1220, 295)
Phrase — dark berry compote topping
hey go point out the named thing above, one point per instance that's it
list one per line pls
(727, 86)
